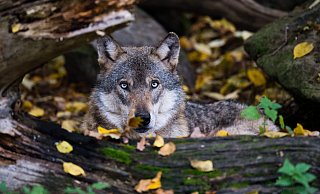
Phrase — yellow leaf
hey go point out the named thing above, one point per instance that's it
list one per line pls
(302, 49)
(158, 142)
(222, 133)
(27, 104)
(149, 184)
(64, 147)
(113, 133)
(185, 43)
(167, 149)
(36, 111)
(203, 166)
(73, 169)
(15, 28)
(300, 131)
(76, 107)
(202, 80)
(104, 131)
(69, 125)
(256, 77)
(134, 122)
(275, 134)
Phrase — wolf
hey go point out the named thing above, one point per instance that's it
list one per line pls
(145, 79)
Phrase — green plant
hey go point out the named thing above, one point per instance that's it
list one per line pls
(89, 189)
(270, 110)
(35, 189)
(295, 178)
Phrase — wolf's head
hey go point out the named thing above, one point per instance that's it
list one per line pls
(143, 79)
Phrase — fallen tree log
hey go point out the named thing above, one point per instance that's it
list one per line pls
(246, 14)
(242, 163)
(45, 29)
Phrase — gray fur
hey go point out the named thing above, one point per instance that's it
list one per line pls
(171, 115)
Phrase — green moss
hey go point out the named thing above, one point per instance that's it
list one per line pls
(239, 185)
(203, 185)
(128, 148)
(118, 155)
(148, 168)
(212, 174)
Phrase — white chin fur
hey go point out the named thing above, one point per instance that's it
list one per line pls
(164, 110)
(113, 110)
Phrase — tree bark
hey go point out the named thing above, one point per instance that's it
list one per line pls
(242, 164)
(33, 32)
(246, 14)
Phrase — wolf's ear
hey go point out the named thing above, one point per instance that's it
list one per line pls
(108, 51)
(168, 50)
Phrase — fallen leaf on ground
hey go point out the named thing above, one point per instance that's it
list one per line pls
(222, 133)
(196, 133)
(162, 191)
(302, 49)
(256, 77)
(149, 184)
(76, 107)
(16, 28)
(158, 142)
(275, 134)
(36, 111)
(64, 147)
(113, 133)
(27, 104)
(69, 125)
(203, 166)
(73, 169)
(300, 131)
(141, 145)
(167, 149)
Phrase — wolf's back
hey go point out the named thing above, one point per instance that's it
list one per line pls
(211, 117)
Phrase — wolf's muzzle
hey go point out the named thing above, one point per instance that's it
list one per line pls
(143, 126)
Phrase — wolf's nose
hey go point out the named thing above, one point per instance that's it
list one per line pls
(145, 117)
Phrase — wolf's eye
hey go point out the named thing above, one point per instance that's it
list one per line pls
(154, 84)
(124, 85)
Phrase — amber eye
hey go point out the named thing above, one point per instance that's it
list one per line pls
(124, 85)
(154, 84)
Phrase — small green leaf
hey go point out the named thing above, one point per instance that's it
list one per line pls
(281, 121)
(77, 190)
(38, 189)
(250, 113)
(285, 181)
(289, 130)
(26, 190)
(100, 185)
(287, 168)
(270, 113)
(266, 103)
(302, 167)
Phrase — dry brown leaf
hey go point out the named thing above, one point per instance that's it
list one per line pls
(302, 49)
(167, 149)
(73, 169)
(203, 166)
(141, 145)
(162, 191)
(149, 184)
(196, 133)
(158, 142)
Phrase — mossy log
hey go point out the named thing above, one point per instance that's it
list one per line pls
(242, 163)
(272, 48)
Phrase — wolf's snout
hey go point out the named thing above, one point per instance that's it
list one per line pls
(145, 116)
